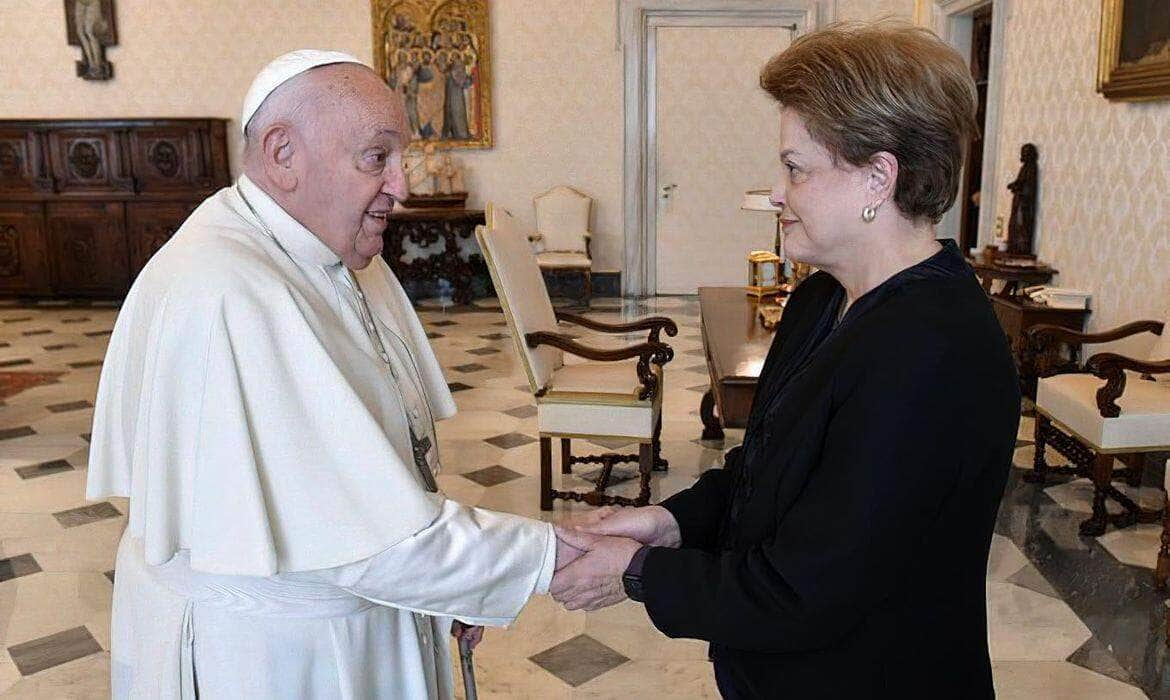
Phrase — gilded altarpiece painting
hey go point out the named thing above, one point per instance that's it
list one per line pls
(435, 53)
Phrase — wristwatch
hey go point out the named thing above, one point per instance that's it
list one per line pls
(632, 578)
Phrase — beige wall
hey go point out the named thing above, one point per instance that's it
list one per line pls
(174, 58)
(1104, 218)
(557, 87)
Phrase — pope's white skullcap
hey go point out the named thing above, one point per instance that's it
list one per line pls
(282, 69)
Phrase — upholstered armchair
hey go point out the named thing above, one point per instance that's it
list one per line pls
(562, 236)
(1117, 407)
(612, 394)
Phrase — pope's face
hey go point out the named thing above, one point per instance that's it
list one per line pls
(354, 173)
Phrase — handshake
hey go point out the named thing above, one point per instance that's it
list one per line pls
(594, 550)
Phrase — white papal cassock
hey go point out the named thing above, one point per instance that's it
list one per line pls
(256, 405)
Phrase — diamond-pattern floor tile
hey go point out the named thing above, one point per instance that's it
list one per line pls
(508, 441)
(470, 367)
(527, 411)
(86, 514)
(56, 649)
(493, 475)
(578, 660)
(14, 567)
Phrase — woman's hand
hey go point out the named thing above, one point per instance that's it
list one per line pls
(652, 525)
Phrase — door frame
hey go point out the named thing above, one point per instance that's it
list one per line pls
(638, 24)
(951, 20)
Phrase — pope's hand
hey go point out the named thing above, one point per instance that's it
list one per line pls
(473, 633)
(652, 525)
(566, 553)
(595, 579)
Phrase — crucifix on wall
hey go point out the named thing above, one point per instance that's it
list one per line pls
(90, 25)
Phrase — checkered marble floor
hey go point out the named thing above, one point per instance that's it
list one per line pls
(1068, 617)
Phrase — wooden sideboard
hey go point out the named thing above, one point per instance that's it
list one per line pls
(424, 228)
(85, 203)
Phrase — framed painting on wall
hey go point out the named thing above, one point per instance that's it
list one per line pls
(1134, 53)
(435, 53)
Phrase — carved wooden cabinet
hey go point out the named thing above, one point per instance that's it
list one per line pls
(85, 203)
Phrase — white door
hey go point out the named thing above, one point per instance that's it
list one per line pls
(716, 137)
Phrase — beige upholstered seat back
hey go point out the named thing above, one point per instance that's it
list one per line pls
(520, 288)
(562, 219)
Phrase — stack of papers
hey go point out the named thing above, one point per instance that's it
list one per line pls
(1059, 297)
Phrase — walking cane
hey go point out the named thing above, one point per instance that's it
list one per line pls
(467, 666)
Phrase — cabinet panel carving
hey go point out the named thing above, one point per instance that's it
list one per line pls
(87, 247)
(84, 204)
(149, 225)
(23, 259)
(88, 161)
(22, 168)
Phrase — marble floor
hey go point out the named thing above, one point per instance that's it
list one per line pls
(1069, 617)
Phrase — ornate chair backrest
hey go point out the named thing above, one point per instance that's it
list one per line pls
(562, 219)
(521, 290)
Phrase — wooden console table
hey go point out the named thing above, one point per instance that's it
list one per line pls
(425, 227)
(1016, 315)
(735, 345)
(1011, 276)
(85, 203)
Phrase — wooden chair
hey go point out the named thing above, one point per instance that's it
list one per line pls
(614, 394)
(562, 236)
(1118, 407)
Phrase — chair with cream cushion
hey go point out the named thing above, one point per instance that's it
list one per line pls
(562, 234)
(1118, 407)
(613, 394)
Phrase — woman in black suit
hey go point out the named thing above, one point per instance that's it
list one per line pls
(842, 550)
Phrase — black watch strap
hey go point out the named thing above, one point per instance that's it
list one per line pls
(632, 578)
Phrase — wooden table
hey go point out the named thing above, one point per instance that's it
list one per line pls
(1011, 275)
(735, 345)
(425, 227)
(1016, 315)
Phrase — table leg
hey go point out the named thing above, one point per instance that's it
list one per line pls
(712, 430)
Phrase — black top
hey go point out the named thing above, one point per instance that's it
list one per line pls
(842, 550)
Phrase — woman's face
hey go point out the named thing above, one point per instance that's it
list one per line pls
(822, 201)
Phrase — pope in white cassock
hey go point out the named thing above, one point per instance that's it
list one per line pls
(268, 404)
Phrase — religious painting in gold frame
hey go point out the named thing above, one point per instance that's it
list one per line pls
(436, 54)
(1134, 53)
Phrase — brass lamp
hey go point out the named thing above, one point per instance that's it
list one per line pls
(765, 272)
(759, 261)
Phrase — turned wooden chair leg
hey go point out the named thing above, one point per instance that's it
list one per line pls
(1102, 481)
(660, 464)
(566, 457)
(1039, 438)
(645, 466)
(546, 473)
(1163, 571)
(588, 287)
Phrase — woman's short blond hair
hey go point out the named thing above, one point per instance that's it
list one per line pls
(862, 88)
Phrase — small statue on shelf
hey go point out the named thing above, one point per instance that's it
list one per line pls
(1022, 224)
(434, 178)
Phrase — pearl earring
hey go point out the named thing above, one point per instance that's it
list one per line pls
(869, 213)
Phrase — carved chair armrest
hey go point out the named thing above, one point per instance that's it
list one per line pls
(1111, 367)
(1043, 333)
(647, 353)
(654, 324)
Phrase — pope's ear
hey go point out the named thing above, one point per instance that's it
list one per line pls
(278, 150)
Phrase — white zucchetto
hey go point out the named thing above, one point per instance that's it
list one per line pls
(282, 69)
